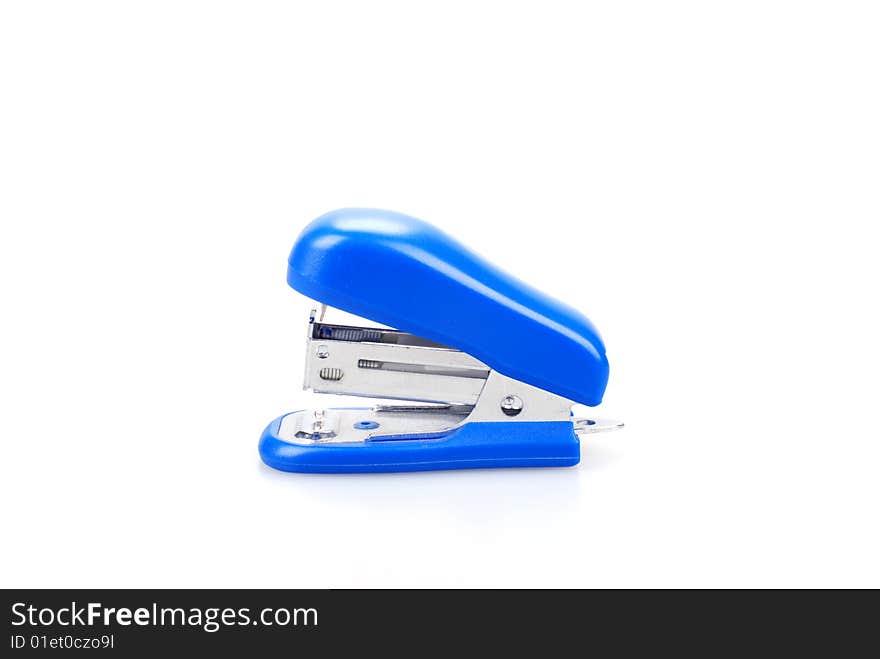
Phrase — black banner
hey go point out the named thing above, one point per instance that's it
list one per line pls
(147, 622)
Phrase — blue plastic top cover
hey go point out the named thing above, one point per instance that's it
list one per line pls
(407, 274)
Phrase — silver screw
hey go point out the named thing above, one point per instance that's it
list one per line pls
(323, 352)
(511, 405)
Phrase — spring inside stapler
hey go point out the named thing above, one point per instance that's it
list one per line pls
(482, 370)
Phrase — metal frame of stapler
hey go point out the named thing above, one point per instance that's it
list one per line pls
(483, 370)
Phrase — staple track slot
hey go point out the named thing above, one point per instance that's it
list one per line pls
(425, 369)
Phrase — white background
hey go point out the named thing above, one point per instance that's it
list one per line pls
(701, 179)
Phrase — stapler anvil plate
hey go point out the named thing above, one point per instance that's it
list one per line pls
(487, 367)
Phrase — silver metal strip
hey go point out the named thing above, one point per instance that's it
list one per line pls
(583, 426)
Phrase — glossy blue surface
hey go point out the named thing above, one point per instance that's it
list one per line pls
(473, 446)
(407, 274)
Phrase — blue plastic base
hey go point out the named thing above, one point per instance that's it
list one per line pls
(472, 446)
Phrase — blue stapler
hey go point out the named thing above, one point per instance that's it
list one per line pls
(483, 370)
